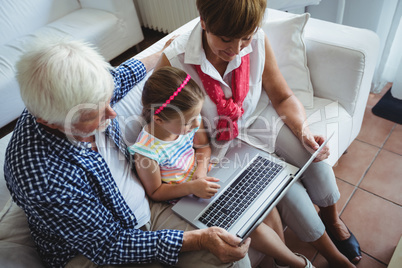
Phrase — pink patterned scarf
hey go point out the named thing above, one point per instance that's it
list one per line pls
(229, 110)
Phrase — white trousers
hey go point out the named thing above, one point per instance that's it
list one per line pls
(317, 185)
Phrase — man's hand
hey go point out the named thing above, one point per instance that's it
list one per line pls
(224, 245)
(217, 241)
(151, 60)
(168, 42)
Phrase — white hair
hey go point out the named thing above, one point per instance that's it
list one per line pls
(56, 76)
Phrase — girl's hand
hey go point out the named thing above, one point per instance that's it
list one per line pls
(199, 174)
(313, 142)
(204, 187)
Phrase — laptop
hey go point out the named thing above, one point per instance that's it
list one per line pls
(252, 183)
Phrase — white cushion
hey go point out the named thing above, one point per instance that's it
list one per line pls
(22, 17)
(129, 111)
(94, 26)
(329, 117)
(4, 193)
(286, 38)
(17, 248)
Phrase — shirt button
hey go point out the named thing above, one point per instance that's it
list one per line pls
(132, 217)
(99, 159)
(82, 152)
(116, 189)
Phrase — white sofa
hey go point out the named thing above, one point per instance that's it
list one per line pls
(111, 26)
(340, 61)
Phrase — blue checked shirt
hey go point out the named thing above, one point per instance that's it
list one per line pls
(72, 202)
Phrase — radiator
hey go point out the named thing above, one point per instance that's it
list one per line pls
(165, 15)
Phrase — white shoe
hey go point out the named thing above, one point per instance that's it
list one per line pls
(308, 263)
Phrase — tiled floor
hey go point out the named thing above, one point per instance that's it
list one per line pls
(370, 183)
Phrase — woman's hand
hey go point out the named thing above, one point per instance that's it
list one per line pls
(204, 187)
(313, 142)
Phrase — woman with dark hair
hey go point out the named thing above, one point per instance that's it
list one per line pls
(232, 61)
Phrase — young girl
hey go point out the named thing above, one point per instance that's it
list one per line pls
(172, 154)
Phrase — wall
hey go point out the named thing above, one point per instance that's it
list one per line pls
(357, 13)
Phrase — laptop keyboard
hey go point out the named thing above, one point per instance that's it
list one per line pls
(225, 210)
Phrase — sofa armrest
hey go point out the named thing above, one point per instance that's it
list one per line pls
(341, 60)
(127, 15)
(161, 42)
(116, 7)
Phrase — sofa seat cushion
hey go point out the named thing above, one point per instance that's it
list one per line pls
(327, 117)
(15, 255)
(4, 193)
(17, 248)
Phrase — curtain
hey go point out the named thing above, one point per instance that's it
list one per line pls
(390, 60)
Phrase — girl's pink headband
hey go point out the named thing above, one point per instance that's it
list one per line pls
(174, 94)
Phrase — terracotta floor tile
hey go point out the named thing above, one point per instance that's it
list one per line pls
(375, 222)
(366, 262)
(384, 177)
(346, 191)
(394, 142)
(352, 165)
(375, 130)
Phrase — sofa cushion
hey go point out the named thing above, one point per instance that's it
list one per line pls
(93, 26)
(129, 111)
(25, 16)
(327, 117)
(17, 248)
(4, 194)
(286, 38)
(13, 255)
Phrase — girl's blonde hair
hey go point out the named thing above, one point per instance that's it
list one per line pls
(162, 84)
(232, 18)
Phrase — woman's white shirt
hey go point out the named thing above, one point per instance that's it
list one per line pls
(187, 51)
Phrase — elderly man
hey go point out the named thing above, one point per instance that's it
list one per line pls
(67, 167)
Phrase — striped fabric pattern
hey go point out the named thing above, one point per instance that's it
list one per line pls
(176, 158)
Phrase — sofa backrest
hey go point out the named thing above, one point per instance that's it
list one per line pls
(19, 17)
